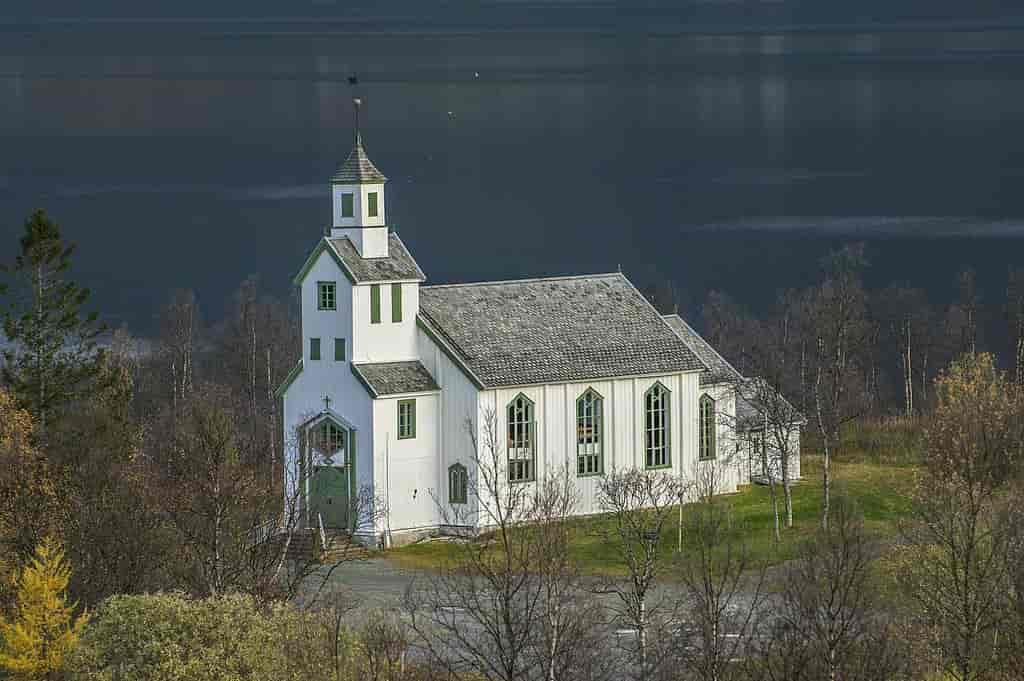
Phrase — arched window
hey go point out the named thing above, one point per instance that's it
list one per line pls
(656, 427)
(329, 439)
(589, 433)
(521, 432)
(707, 428)
(458, 482)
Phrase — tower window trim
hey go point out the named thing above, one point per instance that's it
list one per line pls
(375, 303)
(522, 445)
(314, 348)
(458, 484)
(327, 295)
(708, 450)
(657, 431)
(589, 433)
(406, 419)
(371, 205)
(348, 209)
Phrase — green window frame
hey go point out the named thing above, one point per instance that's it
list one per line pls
(327, 295)
(314, 348)
(656, 427)
(589, 433)
(396, 302)
(708, 445)
(339, 349)
(348, 209)
(522, 430)
(375, 303)
(406, 419)
(371, 204)
(458, 484)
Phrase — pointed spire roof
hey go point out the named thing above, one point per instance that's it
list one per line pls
(358, 168)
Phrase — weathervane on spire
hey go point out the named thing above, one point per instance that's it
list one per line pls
(357, 102)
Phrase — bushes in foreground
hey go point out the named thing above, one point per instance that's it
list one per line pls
(171, 637)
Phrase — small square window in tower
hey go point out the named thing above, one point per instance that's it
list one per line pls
(371, 204)
(327, 298)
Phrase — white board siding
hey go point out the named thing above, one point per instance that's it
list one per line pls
(386, 341)
(304, 397)
(623, 436)
(755, 468)
(457, 416)
(731, 456)
(406, 469)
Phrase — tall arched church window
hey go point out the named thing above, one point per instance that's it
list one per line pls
(522, 431)
(458, 484)
(589, 433)
(707, 428)
(656, 427)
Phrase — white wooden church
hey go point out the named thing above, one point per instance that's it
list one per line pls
(580, 373)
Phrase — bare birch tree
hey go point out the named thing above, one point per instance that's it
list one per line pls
(840, 327)
(828, 616)
(958, 549)
(1015, 318)
(722, 592)
(640, 507)
(508, 606)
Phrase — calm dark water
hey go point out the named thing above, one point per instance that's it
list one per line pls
(192, 154)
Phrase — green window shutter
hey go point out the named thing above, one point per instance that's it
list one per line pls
(375, 303)
(339, 349)
(314, 348)
(371, 204)
(347, 209)
(396, 302)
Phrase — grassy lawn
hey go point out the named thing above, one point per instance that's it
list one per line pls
(881, 490)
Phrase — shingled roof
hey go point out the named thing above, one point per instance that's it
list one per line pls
(358, 168)
(394, 378)
(397, 266)
(719, 369)
(548, 330)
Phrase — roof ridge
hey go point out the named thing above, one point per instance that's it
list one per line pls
(713, 349)
(528, 280)
(704, 340)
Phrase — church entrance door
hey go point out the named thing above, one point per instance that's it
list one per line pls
(329, 496)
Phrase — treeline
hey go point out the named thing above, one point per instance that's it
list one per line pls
(145, 532)
(152, 461)
(898, 337)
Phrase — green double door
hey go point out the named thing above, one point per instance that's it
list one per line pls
(328, 496)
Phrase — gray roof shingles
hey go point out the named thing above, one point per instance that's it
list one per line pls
(719, 369)
(358, 168)
(393, 378)
(397, 266)
(549, 330)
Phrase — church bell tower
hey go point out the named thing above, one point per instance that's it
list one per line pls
(357, 199)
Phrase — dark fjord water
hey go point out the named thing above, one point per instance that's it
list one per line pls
(192, 154)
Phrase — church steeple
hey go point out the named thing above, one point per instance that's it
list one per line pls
(357, 197)
(358, 168)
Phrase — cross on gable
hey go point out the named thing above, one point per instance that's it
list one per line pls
(327, 402)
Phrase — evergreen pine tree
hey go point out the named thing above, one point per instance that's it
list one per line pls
(43, 630)
(53, 354)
